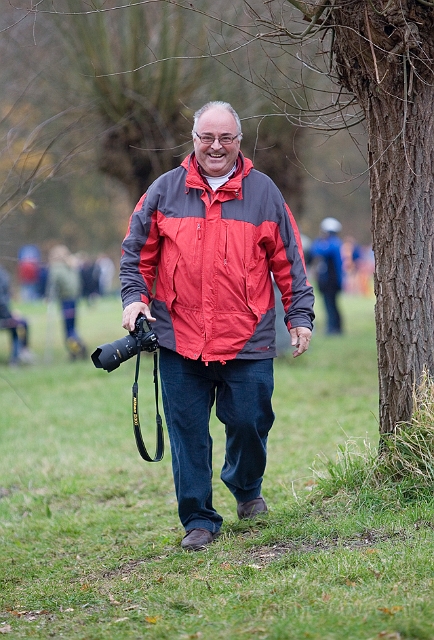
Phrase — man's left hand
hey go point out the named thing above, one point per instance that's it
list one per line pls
(300, 338)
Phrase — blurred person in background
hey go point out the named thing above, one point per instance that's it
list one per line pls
(64, 285)
(29, 259)
(89, 277)
(352, 257)
(326, 255)
(16, 324)
(107, 272)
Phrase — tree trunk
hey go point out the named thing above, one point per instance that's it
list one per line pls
(385, 58)
(402, 196)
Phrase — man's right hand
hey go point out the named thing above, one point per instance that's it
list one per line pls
(131, 312)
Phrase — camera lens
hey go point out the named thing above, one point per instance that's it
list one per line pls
(110, 356)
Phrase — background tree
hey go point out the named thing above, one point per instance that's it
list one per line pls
(132, 76)
(143, 118)
(148, 67)
(32, 147)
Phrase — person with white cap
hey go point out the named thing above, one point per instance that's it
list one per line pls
(325, 252)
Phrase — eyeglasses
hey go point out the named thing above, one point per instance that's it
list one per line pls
(224, 139)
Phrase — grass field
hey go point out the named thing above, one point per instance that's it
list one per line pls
(89, 534)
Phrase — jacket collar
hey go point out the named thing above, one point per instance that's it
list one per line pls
(195, 180)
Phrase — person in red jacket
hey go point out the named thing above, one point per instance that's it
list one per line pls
(197, 260)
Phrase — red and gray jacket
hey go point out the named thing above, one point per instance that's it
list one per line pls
(209, 256)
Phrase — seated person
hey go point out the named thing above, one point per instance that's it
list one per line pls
(18, 327)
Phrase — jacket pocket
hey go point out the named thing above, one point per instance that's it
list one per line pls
(258, 287)
(167, 270)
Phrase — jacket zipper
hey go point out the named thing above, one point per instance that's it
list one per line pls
(225, 260)
(197, 238)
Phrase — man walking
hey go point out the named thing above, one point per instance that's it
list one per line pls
(205, 238)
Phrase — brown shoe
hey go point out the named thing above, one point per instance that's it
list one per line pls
(198, 539)
(251, 508)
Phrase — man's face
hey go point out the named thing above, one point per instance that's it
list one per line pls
(216, 159)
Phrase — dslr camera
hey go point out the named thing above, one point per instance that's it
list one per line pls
(109, 356)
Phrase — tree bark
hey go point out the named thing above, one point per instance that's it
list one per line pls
(385, 58)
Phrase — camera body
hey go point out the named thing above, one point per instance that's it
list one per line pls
(109, 356)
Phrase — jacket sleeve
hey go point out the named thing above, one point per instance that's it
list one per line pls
(140, 254)
(288, 266)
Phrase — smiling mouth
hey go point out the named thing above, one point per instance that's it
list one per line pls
(216, 155)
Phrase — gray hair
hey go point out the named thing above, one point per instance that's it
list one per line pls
(219, 104)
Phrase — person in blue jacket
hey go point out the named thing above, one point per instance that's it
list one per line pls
(325, 253)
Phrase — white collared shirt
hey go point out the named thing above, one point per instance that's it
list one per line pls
(217, 181)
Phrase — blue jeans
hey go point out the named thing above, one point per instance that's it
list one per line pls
(242, 390)
(68, 313)
(334, 321)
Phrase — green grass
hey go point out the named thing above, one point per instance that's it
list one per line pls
(89, 535)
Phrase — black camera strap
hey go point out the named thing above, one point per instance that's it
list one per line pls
(159, 449)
